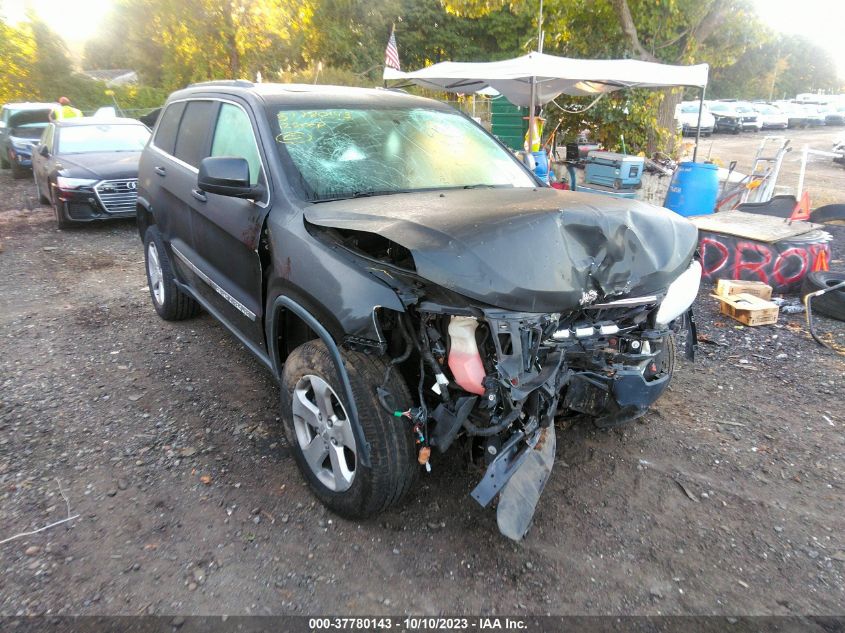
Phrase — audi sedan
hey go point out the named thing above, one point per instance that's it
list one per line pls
(87, 168)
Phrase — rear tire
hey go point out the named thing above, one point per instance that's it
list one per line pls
(168, 300)
(394, 467)
(829, 213)
(18, 172)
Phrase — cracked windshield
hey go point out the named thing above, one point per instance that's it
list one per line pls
(342, 153)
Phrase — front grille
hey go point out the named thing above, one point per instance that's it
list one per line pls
(117, 196)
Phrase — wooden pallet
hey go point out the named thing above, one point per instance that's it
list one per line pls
(752, 226)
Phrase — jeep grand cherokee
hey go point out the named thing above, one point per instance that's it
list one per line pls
(409, 283)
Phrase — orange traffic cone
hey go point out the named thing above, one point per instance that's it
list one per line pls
(821, 263)
(802, 208)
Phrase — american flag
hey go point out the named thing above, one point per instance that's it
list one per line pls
(391, 53)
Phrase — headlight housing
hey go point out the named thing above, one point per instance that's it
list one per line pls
(74, 183)
(680, 294)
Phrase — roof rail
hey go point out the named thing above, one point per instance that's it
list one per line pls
(237, 83)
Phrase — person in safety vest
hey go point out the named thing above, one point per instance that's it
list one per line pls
(65, 110)
(536, 143)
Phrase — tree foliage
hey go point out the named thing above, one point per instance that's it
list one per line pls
(38, 67)
(17, 48)
(172, 43)
(779, 67)
(175, 42)
(669, 31)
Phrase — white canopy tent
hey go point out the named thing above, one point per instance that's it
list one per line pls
(537, 78)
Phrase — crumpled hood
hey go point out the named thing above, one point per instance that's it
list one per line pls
(529, 250)
(100, 165)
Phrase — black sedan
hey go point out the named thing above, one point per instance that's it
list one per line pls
(87, 168)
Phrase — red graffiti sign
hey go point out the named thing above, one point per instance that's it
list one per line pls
(782, 265)
(753, 258)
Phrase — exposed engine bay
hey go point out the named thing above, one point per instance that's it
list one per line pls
(499, 380)
(496, 380)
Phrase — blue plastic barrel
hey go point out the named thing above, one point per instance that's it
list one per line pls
(693, 189)
(541, 160)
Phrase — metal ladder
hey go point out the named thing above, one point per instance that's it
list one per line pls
(765, 169)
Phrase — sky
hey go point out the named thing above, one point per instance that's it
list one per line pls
(821, 20)
(74, 21)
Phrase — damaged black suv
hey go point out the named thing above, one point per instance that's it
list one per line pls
(410, 284)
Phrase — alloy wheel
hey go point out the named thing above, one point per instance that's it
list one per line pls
(155, 274)
(324, 433)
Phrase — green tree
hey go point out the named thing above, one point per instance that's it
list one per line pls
(669, 31)
(782, 66)
(51, 65)
(175, 42)
(353, 33)
(17, 48)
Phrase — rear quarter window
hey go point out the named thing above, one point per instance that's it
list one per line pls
(165, 138)
(192, 141)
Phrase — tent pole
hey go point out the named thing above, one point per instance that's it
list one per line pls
(698, 127)
(532, 100)
(540, 29)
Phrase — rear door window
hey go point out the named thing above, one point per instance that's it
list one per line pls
(194, 131)
(165, 138)
(234, 136)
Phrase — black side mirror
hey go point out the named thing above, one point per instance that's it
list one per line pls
(44, 151)
(227, 176)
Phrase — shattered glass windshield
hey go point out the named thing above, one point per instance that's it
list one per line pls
(344, 153)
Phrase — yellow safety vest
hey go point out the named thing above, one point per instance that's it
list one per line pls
(538, 134)
(67, 112)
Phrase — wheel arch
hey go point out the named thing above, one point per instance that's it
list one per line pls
(144, 216)
(289, 317)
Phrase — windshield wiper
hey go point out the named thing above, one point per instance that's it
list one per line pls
(362, 194)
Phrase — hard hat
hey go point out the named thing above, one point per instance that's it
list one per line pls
(64, 100)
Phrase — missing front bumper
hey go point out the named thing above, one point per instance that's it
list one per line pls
(518, 476)
(615, 400)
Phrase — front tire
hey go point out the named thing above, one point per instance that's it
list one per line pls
(169, 301)
(18, 172)
(61, 221)
(41, 197)
(321, 437)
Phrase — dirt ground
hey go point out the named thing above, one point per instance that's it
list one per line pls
(164, 439)
(824, 180)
